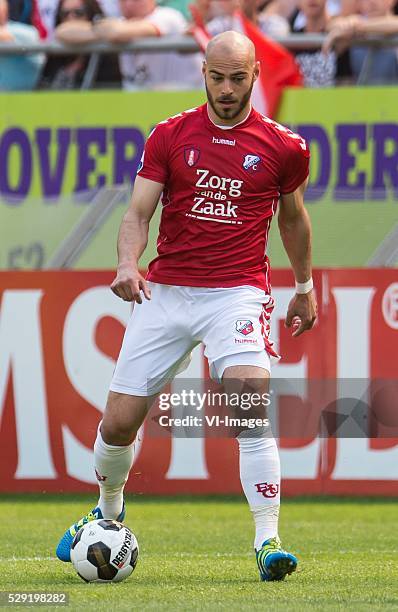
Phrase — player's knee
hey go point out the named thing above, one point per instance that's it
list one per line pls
(122, 419)
(117, 434)
(242, 384)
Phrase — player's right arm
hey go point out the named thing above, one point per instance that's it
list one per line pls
(132, 240)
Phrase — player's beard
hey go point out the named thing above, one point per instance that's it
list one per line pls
(228, 113)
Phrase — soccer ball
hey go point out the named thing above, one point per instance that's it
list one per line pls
(104, 551)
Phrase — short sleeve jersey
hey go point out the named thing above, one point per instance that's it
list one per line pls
(221, 190)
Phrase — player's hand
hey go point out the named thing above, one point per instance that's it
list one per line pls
(301, 313)
(129, 283)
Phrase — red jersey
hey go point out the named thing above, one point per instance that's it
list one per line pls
(221, 189)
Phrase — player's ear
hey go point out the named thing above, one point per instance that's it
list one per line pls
(204, 65)
(256, 71)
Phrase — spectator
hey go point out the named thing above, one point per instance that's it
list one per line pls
(18, 72)
(142, 18)
(111, 8)
(335, 8)
(67, 71)
(285, 8)
(224, 18)
(27, 12)
(319, 69)
(201, 9)
(179, 5)
(48, 11)
(376, 17)
(275, 10)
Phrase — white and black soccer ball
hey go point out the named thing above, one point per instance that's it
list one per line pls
(104, 551)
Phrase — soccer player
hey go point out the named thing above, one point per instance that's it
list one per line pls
(221, 169)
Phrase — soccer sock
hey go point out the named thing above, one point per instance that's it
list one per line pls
(266, 523)
(260, 478)
(112, 467)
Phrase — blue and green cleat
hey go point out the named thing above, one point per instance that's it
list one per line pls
(273, 562)
(65, 543)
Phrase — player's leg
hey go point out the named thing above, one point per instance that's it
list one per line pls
(258, 453)
(239, 350)
(113, 458)
(259, 464)
(114, 448)
(155, 346)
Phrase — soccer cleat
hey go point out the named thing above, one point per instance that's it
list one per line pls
(273, 562)
(65, 543)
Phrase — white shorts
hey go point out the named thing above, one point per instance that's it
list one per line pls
(161, 333)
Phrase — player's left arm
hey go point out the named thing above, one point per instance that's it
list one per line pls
(295, 229)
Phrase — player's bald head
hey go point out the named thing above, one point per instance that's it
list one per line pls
(232, 45)
(230, 70)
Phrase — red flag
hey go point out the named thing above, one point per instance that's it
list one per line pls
(37, 21)
(278, 66)
(198, 28)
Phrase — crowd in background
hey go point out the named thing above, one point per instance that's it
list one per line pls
(72, 22)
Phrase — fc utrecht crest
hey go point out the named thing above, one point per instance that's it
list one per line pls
(251, 162)
(244, 326)
(191, 156)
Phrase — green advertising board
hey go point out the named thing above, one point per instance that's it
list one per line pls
(57, 150)
(353, 194)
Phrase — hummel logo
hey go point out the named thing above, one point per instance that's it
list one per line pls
(224, 141)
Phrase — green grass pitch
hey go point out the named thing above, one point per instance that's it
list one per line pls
(196, 554)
